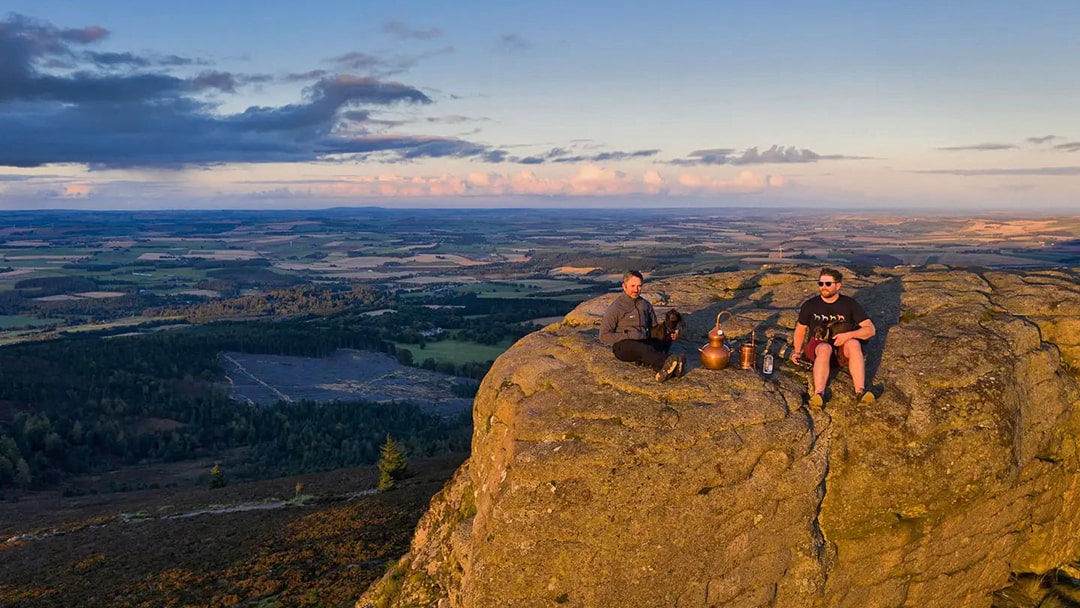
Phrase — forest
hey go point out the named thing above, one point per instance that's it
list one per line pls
(93, 402)
(86, 404)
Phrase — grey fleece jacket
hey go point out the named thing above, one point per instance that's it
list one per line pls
(627, 319)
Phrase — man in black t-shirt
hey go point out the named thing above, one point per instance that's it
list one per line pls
(837, 326)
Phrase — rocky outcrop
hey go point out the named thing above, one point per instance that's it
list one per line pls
(590, 484)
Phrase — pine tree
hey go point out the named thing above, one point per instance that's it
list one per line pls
(217, 477)
(392, 464)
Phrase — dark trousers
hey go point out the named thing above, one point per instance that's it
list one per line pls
(649, 352)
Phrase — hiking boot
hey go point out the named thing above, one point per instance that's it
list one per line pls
(671, 364)
(679, 369)
(864, 398)
(817, 400)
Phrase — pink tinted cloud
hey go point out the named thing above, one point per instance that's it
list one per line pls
(589, 180)
(75, 191)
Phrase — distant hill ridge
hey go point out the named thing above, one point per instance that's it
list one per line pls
(592, 485)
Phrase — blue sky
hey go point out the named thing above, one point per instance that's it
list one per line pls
(834, 104)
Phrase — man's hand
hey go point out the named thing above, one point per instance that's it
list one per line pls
(674, 335)
(795, 355)
(840, 339)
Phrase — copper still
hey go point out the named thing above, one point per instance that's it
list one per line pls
(716, 354)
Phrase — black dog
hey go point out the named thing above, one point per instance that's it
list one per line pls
(667, 330)
(828, 331)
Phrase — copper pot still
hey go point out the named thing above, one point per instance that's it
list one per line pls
(716, 354)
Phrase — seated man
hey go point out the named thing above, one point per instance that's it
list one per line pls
(626, 328)
(822, 316)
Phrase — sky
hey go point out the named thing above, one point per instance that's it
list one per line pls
(836, 104)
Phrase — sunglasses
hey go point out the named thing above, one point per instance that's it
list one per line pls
(825, 283)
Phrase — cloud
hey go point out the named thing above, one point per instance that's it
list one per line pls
(989, 147)
(374, 65)
(109, 111)
(222, 81)
(1045, 139)
(512, 43)
(1049, 171)
(589, 180)
(746, 181)
(1037, 141)
(1017, 187)
(308, 76)
(455, 119)
(399, 29)
(113, 59)
(75, 191)
(752, 156)
(359, 61)
(563, 155)
(606, 156)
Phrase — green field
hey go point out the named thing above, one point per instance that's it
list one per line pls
(127, 255)
(518, 289)
(9, 321)
(457, 352)
(496, 290)
(48, 250)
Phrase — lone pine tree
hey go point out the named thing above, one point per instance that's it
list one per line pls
(392, 464)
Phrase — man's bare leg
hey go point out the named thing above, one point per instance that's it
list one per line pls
(857, 367)
(856, 364)
(822, 354)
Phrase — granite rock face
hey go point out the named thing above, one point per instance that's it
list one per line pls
(590, 484)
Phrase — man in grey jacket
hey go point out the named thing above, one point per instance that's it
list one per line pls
(625, 328)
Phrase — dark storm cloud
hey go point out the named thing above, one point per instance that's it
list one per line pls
(979, 148)
(118, 109)
(753, 156)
